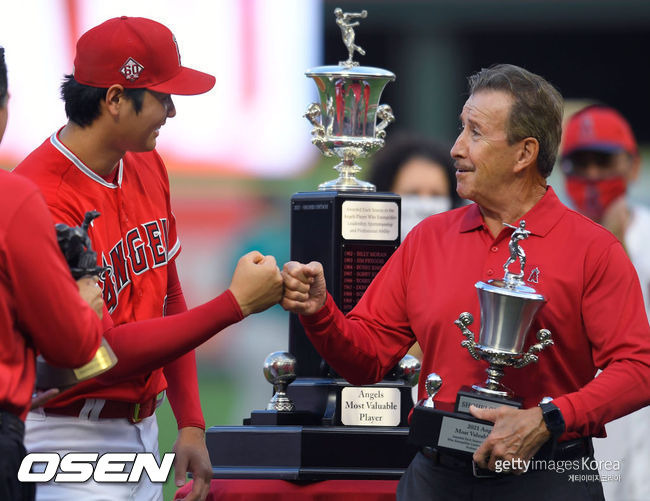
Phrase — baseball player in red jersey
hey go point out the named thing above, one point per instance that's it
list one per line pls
(40, 309)
(104, 159)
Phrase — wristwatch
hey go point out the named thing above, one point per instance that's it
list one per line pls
(553, 418)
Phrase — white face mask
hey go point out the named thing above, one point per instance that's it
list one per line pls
(415, 208)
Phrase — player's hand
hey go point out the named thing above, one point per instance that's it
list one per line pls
(616, 218)
(517, 433)
(92, 293)
(256, 283)
(192, 456)
(305, 291)
(42, 397)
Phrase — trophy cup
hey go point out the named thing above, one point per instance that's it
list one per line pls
(508, 308)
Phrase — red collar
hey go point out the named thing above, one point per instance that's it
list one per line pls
(539, 220)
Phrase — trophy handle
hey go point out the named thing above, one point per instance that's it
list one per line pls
(544, 338)
(385, 114)
(464, 320)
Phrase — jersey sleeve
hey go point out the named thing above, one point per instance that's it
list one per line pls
(63, 327)
(619, 335)
(364, 345)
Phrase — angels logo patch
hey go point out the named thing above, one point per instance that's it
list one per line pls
(131, 69)
(534, 276)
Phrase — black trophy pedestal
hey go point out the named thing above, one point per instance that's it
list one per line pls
(311, 443)
(309, 452)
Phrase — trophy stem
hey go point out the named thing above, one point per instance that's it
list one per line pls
(347, 180)
(493, 383)
(280, 401)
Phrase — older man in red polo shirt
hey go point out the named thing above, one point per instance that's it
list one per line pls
(511, 129)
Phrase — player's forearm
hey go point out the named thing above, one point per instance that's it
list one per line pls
(144, 346)
(183, 391)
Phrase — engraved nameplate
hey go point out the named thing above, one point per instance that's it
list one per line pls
(462, 435)
(370, 406)
(369, 220)
(465, 401)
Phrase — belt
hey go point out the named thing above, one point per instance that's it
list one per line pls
(11, 424)
(571, 449)
(112, 409)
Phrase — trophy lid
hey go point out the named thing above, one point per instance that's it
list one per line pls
(507, 289)
(353, 72)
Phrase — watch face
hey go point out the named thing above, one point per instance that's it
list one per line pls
(553, 418)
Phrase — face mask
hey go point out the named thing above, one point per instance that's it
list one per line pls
(592, 197)
(416, 208)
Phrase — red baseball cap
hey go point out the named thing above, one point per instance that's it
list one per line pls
(137, 53)
(598, 128)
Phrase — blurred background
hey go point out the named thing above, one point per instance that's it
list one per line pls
(236, 154)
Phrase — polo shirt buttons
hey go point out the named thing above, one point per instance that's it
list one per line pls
(490, 272)
(494, 248)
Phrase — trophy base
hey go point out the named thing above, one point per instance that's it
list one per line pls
(455, 430)
(309, 452)
(347, 183)
(48, 376)
(467, 396)
(282, 418)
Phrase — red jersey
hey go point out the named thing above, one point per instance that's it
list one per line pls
(40, 306)
(594, 311)
(135, 236)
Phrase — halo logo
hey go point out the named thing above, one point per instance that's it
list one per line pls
(77, 467)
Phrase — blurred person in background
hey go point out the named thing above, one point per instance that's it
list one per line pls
(41, 309)
(421, 171)
(600, 159)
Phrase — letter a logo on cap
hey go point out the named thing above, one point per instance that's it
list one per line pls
(131, 69)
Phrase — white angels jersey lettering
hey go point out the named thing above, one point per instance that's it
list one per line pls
(143, 248)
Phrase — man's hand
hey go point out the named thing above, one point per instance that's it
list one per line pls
(91, 292)
(517, 433)
(192, 456)
(305, 290)
(256, 283)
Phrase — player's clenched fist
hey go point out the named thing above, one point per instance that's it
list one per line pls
(304, 287)
(256, 283)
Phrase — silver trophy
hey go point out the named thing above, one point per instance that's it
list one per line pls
(508, 308)
(345, 119)
(280, 371)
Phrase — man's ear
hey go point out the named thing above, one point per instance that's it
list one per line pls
(526, 153)
(635, 169)
(114, 99)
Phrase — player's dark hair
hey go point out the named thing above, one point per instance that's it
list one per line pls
(3, 79)
(536, 110)
(82, 101)
(399, 149)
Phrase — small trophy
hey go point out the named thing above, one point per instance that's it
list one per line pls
(508, 308)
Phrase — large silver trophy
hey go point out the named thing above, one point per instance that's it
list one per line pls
(345, 119)
(508, 308)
